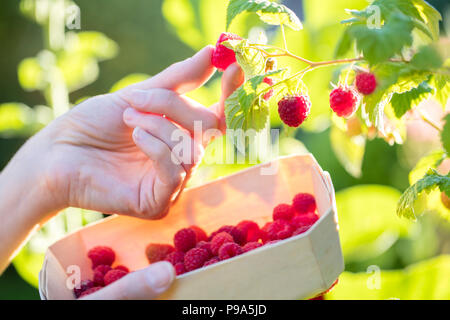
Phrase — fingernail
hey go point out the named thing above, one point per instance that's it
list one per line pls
(160, 275)
(136, 133)
(128, 114)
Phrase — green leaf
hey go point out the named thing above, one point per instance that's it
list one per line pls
(420, 281)
(426, 58)
(402, 102)
(430, 181)
(268, 11)
(344, 44)
(445, 134)
(348, 150)
(430, 16)
(432, 160)
(380, 44)
(442, 85)
(252, 61)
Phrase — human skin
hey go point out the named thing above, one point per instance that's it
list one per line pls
(112, 153)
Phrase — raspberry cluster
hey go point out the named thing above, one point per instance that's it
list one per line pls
(102, 259)
(193, 248)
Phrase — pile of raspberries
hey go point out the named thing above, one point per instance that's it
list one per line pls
(102, 259)
(193, 249)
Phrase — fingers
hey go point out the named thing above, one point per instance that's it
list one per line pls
(180, 109)
(183, 76)
(143, 284)
(185, 149)
(170, 174)
(232, 79)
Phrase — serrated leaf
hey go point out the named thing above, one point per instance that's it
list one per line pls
(380, 44)
(430, 16)
(430, 181)
(251, 60)
(445, 134)
(432, 160)
(426, 58)
(268, 11)
(442, 85)
(402, 102)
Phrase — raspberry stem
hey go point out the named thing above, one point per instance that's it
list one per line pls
(431, 122)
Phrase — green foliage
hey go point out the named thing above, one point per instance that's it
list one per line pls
(445, 134)
(268, 11)
(250, 59)
(367, 222)
(17, 119)
(424, 280)
(430, 181)
(402, 102)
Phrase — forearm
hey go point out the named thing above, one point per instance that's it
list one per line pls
(24, 198)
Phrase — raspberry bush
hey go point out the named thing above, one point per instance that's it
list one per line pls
(388, 74)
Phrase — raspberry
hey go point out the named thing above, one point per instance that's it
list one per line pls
(211, 261)
(114, 275)
(445, 200)
(205, 245)
(123, 268)
(366, 82)
(303, 220)
(283, 211)
(218, 240)
(156, 252)
(304, 203)
(301, 230)
(251, 246)
(84, 285)
(89, 291)
(222, 57)
(200, 233)
(229, 250)
(185, 239)
(179, 268)
(278, 230)
(101, 255)
(293, 110)
(175, 257)
(99, 274)
(344, 101)
(269, 93)
(250, 229)
(238, 235)
(195, 258)
(272, 242)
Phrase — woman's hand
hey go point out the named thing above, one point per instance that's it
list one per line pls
(107, 155)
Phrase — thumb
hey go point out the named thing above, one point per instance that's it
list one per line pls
(145, 284)
(232, 79)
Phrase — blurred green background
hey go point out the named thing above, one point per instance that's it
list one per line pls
(121, 42)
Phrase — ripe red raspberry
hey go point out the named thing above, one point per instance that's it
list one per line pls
(89, 291)
(101, 255)
(229, 250)
(366, 82)
(251, 246)
(218, 240)
(200, 233)
(344, 101)
(114, 275)
(156, 252)
(175, 257)
(283, 211)
(195, 258)
(205, 245)
(99, 274)
(302, 220)
(238, 235)
(301, 230)
(123, 268)
(304, 203)
(293, 110)
(250, 229)
(179, 268)
(269, 93)
(185, 239)
(84, 285)
(222, 57)
(211, 261)
(278, 230)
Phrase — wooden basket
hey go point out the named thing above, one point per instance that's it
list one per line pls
(296, 268)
